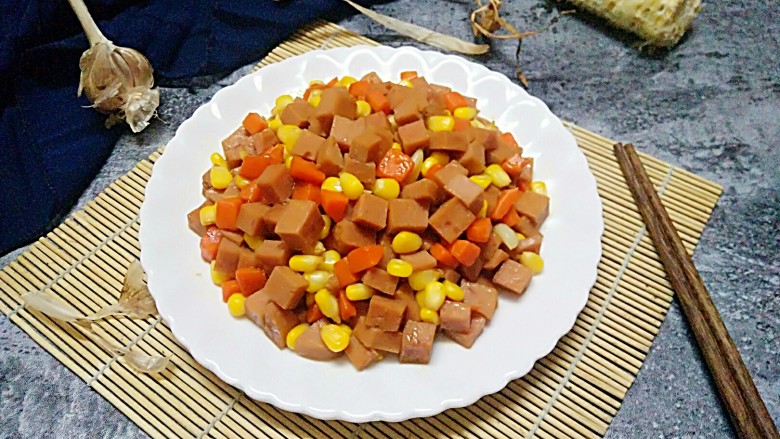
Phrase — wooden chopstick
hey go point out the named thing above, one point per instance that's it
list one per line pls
(747, 411)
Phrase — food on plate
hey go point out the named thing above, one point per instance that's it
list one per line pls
(369, 218)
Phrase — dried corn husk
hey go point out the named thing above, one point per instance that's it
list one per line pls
(660, 22)
(422, 34)
(117, 80)
(134, 301)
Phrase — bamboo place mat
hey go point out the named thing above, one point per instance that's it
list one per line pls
(575, 391)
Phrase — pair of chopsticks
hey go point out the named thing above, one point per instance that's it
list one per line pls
(747, 411)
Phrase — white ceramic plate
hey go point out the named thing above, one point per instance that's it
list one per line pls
(523, 329)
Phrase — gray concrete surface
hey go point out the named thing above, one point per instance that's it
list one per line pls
(711, 105)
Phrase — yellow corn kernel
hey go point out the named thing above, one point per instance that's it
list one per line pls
(288, 134)
(288, 160)
(208, 215)
(274, 124)
(332, 184)
(397, 146)
(329, 259)
(539, 187)
(334, 337)
(427, 164)
(482, 180)
(429, 316)
(386, 188)
(520, 236)
(346, 327)
(406, 242)
(417, 159)
(507, 235)
(216, 276)
(235, 305)
(345, 81)
(498, 176)
(317, 280)
(217, 160)
(282, 102)
(241, 181)
(326, 226)
(294, 333)
(399, 268)
(405, 83)
(483, 210)
(220, 177)
(440, 123)
(304, 263)
(453, 291)
(432, 296)
(315, 82)
(252, 241)
(351, 186)
(363, 108)
(328, 304)
(315, 97)
(319, 248)
(419, 279)
(532, 261)
(359, 291)
(467, 113)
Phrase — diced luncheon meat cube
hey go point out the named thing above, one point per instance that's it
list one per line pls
(285, 287)
(468, 192)
(370, 211)
(365, 147)
(250, 218)
(533, 205)
(277, 323)
(448, 141)
(414, 136)
(424, 191)
(272, 216)
(348, 236)
(271, 253)
(297, 113)
(467, 338)
(381, 280)
(263, 140)
(502, 151)
(406, 112)
(255, 306)
(385, 313)
(275, 184)
(473, 159)
(226, 261)
(471, 272)
(247, 258)
(530, 244)
(491, 196)
(360, 356)
(451, 275)
(451, 219)
(513, 276)
(238, 238)
(448, 172)
(310, 345)
(365, 172)
(335, 101)
(300, 225)
(406, 215)
(236, 143)
(421, 260)
(308, 145)
(330, 160)
(482, 298)
(344, 130)
(526, 226)
(377, 121)
(455, 316)
(405, 294)
(494, 261)
(388, 341)
(417, 342)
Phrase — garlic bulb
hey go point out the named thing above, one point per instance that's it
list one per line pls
(117, 80)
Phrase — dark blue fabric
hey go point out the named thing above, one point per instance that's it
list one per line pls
(50, 146)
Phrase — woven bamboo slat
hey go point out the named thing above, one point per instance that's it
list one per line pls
(575, 391)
